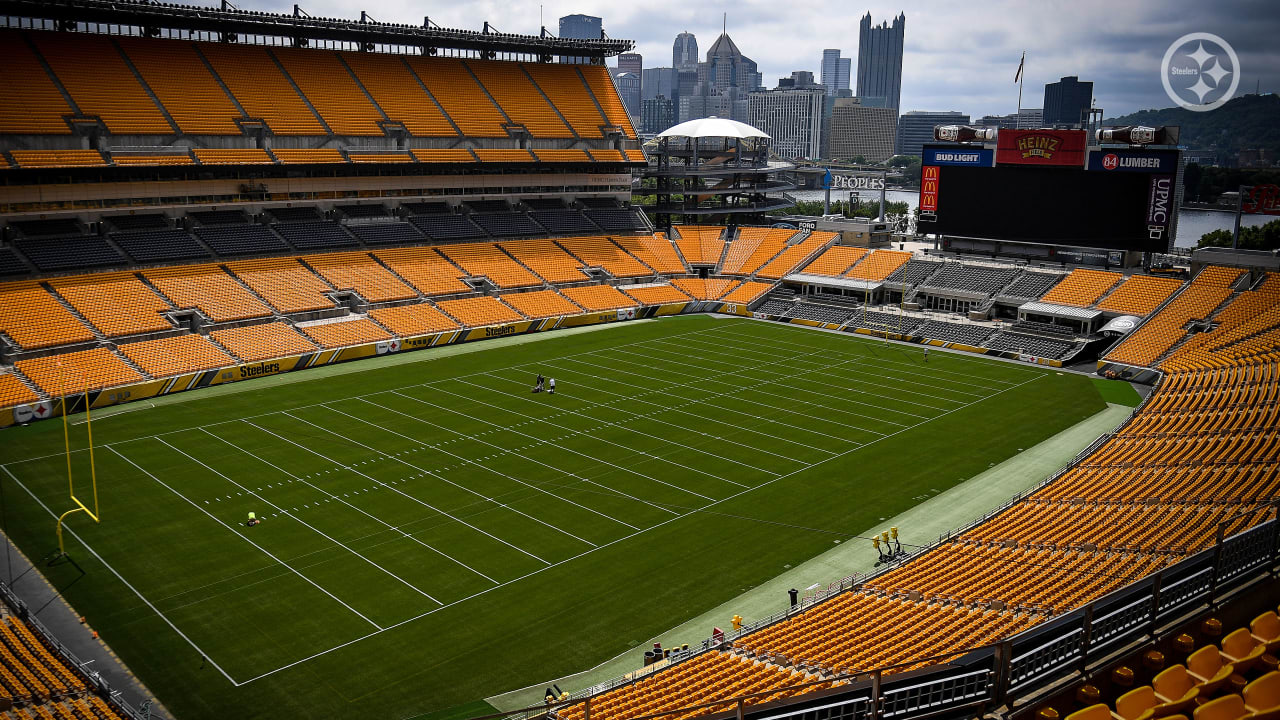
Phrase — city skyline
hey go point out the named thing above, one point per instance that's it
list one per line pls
(955, 57)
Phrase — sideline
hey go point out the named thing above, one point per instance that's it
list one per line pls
(922, 524)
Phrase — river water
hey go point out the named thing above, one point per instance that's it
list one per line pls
(1192, 224)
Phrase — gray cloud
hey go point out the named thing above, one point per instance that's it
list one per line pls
(958, 56)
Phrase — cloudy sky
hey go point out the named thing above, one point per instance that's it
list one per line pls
(959, 55)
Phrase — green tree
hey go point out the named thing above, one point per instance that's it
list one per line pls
(1266, 237)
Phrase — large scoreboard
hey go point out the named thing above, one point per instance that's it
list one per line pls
(1049, 187)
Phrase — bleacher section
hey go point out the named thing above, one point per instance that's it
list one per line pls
(284, 283)
(835, 261)
(596, 298)
(794, 256)
(345, 332)
(541, 304)
(117, 304)
(410, 320)
(159, 245)
(700, 245)
(1031, 345)
(479, 311)
(952, 332)
(1140, 294)
(616, 259)
(915, 272)
(254, 343)
(546, 259)
(1082, 287)
(752, 248)
(174, 355)
(1032, 285)
(878, 265)
(655, 294)
(69, 253)
(35, 677)
(970, 278)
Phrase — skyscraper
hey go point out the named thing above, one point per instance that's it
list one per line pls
(880, 60)
(684, 54)
(858, 131)
(659, 81)
(629, 90)
(835, 71)
(792, 117)
(631, 63)
(915, 128)
(580, 27)
(1066, 101)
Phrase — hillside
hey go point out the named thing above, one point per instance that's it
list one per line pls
(1249, 121)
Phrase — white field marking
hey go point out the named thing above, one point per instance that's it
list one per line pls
(880, 373)
(398, 491)
(242, 537)
(316, 404)
(756, 388)
(619, 540)
(703, 401)
(314, 529)
(741, 387)
(373, 517)
(748, 386)
(872, 358)
(506, 451)
(961, 358)
(126, 583)
(420, 502)
(608, 490)
(749, 379)
(501, 451)
(654, 479)
(588, 433)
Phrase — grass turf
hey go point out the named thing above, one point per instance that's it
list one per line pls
(434, 533)
(1117, 391)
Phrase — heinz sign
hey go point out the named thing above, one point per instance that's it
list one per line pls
(1056, 148)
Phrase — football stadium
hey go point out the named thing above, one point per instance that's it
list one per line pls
(341, 378)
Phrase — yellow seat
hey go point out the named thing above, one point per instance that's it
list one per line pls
(1209, 668)
(1263, 695)
(1241, 649)
(1227, 707)
(1175, 688)
(1093, 712)
(1137, 704)
(1266, 629)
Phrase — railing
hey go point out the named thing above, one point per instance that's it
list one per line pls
(97, 683)
(984, 676)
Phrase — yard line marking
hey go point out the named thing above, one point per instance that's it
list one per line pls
(300, 520)
(585, 433)
(353, 507)
(399, 492)
(777, 381)
(882, 372)
(462, 487)
(621, 539)
(204, 655)
(753, 337)
(742, 373)
(740, 387)
(609, 490)
(241, 536)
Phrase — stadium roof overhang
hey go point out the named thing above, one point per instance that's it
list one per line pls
(243, 23)
(1065, 312)
(835, 282)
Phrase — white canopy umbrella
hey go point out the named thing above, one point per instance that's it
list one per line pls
(713, 127)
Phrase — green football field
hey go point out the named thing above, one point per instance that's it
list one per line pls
(434, 533)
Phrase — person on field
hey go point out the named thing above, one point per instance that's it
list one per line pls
(537, 384)
(926, 354)
(551, 385)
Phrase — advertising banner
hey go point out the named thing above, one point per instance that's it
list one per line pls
(1144, 161)
(976, 156)
(1159, 205)
(929, 175)
(1045, 148)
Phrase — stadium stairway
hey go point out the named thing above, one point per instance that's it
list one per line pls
(74, 312)
(147, 88)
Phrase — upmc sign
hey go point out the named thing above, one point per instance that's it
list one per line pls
(1143, 161)
(1055, 148)
(1159, 205)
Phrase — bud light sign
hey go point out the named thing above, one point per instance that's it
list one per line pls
(1159, 205)
(1144, 161)
(978, 156)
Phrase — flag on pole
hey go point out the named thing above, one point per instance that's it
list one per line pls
(1018, 75)
(826, 179)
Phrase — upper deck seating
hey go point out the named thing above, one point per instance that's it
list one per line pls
(563, 86)
(519, 98)
(606, 94)
(57, 158)
(396, 90)
(117, 304)
(32, 103)
(462, 98)
(33, 319)
(332, 91)
(100, 82)
(254, 79)
(187, 90)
